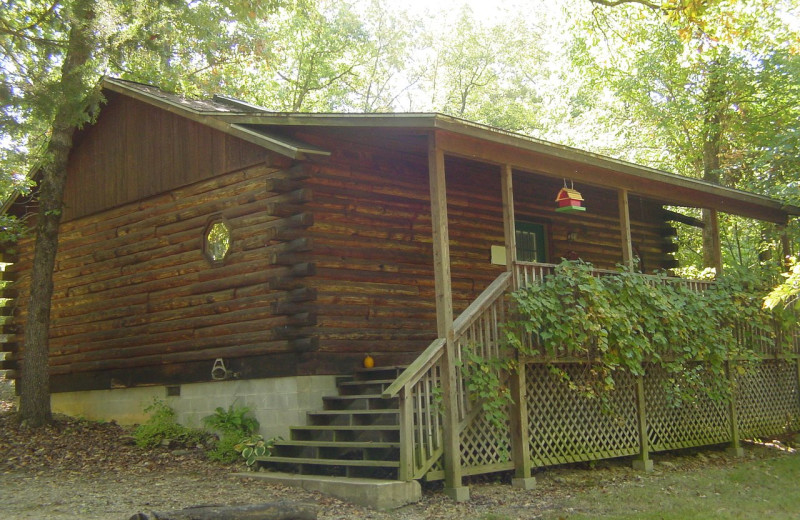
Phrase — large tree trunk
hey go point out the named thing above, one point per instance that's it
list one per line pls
(72, 104)
(712, 147)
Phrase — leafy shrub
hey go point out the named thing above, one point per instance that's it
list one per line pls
(233, 426)
(162, 425)
(233, 420)
(253, 447)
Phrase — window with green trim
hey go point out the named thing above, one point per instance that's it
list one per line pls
(531, 242)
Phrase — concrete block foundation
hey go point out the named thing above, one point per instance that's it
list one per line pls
(277, 403)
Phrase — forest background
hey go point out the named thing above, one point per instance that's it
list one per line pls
(708, 89)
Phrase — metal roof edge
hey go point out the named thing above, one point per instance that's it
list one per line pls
(218, 121)
(498, 136)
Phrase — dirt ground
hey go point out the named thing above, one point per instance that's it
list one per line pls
(89, 470)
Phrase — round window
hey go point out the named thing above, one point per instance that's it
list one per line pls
(217, 241)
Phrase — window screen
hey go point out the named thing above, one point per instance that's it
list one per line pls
(530, 242)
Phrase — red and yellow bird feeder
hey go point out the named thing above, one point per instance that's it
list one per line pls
(569, 200)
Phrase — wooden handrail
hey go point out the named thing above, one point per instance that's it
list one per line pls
(481, 303)
(415, 370)
(673, 279)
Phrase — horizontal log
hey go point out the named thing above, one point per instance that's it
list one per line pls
(268, 511)
(302, 319)
(209, 354)
(298, 172)
(92, 340)
(307, 344)
(9, 328)
(9, 346)
(282, 185)
(286, 283)
(255, 366)
(285, 209)
(286, 308)
(301, 294)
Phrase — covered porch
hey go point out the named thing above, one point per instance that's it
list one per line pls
(445, 434)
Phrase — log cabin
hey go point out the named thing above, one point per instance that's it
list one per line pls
(214, 253)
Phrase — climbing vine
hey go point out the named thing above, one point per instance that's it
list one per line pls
(617, 322)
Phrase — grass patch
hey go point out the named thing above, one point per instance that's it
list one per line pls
(756, 489)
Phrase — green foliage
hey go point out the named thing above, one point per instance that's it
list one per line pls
(487, 385)
(787, 294)
(162, 426)
(234, 425)
(619, 321)
(236, 420)
(254, 446)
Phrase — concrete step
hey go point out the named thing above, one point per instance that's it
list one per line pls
(373, 493)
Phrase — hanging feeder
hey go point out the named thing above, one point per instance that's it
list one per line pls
(569, 200)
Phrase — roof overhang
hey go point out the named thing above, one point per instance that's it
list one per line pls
(466, 139)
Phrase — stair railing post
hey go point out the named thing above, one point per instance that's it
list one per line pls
(406, 471)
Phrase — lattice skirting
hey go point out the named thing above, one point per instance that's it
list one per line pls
(767, 399)
(485, 446)
(566, 427)
(671, 426)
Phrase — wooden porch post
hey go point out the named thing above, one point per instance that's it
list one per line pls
(509, 231)
(444, 321)
(716, 252)
(625, 229)
(642, 462)
(520, 448)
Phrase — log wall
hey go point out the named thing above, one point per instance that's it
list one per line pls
(330, 259)
(373, 254)
(136, 301)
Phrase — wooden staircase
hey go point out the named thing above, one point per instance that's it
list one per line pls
(356, 434)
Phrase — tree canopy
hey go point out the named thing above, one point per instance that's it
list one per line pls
(709, 89)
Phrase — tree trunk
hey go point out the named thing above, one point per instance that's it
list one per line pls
(72, 104)
(270, 511)
(712, 146)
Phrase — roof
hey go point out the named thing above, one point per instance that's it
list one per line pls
(462, 138)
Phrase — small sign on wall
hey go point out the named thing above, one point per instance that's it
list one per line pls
(499, 255)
